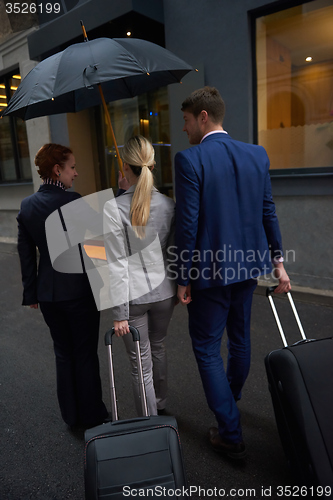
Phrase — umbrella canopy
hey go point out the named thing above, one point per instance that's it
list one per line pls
(68, 81)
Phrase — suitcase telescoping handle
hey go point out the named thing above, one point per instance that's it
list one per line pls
(136, 340)
(269, 292)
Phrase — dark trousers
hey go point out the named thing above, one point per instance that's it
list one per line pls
(210, 312)
(74, 327)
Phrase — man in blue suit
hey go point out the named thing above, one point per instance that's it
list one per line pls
(227, 235)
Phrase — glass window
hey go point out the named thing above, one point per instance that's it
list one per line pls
(294, 55)
(148, 115)
(14, 151)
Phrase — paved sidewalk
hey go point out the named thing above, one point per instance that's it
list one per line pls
(41, 459)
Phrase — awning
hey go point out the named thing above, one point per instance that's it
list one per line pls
(64, 29)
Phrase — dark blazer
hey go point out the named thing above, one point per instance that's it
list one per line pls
(225, 214)
(44, 284)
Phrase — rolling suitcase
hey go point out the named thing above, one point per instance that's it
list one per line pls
(300, 381)
(137, 457)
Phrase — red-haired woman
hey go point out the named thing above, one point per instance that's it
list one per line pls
(65, 300)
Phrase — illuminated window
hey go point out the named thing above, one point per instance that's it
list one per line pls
(294, 55)
(14, 151)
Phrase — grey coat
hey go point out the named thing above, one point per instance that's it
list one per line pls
(138, 268)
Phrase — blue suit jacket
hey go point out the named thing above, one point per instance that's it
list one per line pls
(46, 284)
(225, 214)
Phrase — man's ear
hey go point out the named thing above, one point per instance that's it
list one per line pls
(204, 116)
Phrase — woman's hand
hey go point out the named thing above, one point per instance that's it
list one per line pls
(121, 328)
(122, 182)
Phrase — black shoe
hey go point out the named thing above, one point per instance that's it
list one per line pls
(76, 429)
(235, 451)
(98, 422)
(161, 412)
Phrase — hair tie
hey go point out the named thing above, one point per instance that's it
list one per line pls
(144, 165)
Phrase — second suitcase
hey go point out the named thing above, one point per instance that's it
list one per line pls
(129, 457)
(300, 381)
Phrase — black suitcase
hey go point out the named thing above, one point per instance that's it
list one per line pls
(300, 380)
(136, 457)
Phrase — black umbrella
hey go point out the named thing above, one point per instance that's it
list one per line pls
(92, 72)
(68, 81)
(95, 72)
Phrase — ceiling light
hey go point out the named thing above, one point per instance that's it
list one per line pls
(129, 33)
(308, 59)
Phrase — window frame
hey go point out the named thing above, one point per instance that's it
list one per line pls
(5, 77)
(254, 14)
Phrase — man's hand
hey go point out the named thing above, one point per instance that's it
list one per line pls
(284, 281)
(33, 306)
(121, 328)
(184, 294)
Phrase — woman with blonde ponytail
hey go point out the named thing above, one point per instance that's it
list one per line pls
(140, 225)
(138, 155)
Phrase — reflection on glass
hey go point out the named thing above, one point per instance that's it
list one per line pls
(23, 149)
(14, 152)
(7, 162)
(3, 97)
(147, 115)
(294, 50)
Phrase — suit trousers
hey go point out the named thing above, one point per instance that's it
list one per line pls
(210, 312)
(74, 327)
(152, 321)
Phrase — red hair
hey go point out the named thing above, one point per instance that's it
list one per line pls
(50, 155)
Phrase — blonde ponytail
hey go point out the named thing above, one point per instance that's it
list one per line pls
(139, 153)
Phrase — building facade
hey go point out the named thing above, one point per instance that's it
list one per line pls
(272, 62)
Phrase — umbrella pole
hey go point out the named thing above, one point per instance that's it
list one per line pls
(106, 111)
(120, 163)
